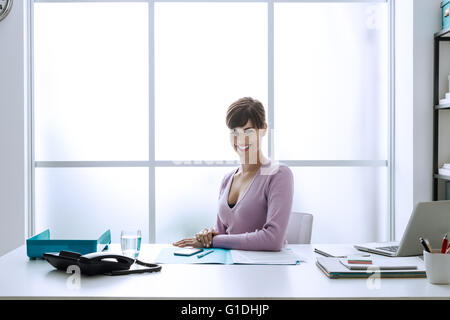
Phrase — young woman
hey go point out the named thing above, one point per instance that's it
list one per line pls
(255, 200)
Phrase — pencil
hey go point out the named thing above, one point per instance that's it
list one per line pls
(444, 244)
(429, 245)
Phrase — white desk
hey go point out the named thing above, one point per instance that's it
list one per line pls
(24, 278)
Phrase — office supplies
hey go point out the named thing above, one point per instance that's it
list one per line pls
(383, 263)
(41, 243)
(444, 244)
(337, 251)
(334, 269)
(424, 244)
(226, 256)
(428, 219)
(437, 266)
(95, 263)
(359, 260)
(429, 245)
(187, 251)
(201, 255)
(219, 256)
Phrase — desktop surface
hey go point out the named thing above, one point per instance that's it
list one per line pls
(24, 278)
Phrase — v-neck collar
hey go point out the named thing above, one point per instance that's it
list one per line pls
(249, 186)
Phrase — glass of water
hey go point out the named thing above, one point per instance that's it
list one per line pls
(130, 242)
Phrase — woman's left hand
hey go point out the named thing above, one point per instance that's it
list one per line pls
(188, 242)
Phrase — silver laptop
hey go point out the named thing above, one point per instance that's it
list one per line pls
(429, 220)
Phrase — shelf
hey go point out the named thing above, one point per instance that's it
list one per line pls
(443, 33)
(442, 106)
(442, 177)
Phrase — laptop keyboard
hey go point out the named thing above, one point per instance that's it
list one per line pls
(389, 248)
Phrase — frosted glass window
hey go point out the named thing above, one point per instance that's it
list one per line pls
(91, 103)
(349, 204)
(331, 81)
(85, 202)
(207, 55)
(186, 201)
(91, 81)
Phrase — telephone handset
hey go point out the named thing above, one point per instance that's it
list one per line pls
(98, 263)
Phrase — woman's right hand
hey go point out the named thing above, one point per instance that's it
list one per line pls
(205, 236)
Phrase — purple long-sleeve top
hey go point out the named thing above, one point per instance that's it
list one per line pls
(259, 219)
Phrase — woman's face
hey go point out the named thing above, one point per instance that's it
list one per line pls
(246, 141)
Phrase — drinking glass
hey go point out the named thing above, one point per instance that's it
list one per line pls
(130, 242)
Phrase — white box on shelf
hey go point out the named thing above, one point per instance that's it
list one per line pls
(446, 166)
(444, 172)
(444, 101)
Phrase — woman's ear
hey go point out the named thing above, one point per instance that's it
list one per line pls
(263, 130)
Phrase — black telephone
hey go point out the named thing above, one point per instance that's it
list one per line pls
(98, 263)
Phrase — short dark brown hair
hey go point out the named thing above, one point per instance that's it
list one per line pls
(240, 111)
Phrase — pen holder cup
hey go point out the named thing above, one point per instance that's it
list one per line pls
(437, 266)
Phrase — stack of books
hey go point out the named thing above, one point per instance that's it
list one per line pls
(339, 261)
(383, 267)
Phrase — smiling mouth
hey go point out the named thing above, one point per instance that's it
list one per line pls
(243, 148)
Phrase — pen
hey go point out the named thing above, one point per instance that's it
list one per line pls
(201, 255)
(444, 244)
(424, 244)
(429, 245)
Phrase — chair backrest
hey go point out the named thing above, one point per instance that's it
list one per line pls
(299, 228)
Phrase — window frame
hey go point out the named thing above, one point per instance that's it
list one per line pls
(152, 163)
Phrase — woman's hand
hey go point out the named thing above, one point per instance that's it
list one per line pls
(188, 242)
(205, 237)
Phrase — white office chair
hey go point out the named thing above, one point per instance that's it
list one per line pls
(299, 228)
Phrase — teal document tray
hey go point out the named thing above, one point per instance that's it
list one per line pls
(41, 243)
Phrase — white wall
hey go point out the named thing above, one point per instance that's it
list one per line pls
(12, 134)
(416, 23)
(427, 21)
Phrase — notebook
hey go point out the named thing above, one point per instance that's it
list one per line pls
(334, 269)
(225, 256)
(383, 264)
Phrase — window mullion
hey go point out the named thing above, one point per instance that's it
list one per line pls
(151, 123)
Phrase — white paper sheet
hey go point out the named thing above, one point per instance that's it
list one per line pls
(285, 256)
